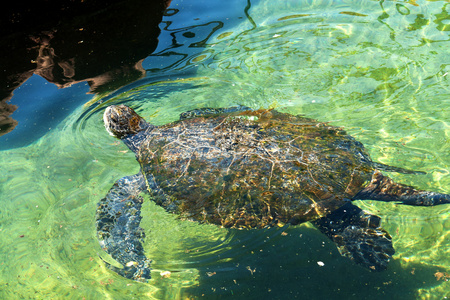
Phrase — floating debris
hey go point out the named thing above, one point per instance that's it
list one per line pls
(250, 269)
(165, 274)
(442, 276)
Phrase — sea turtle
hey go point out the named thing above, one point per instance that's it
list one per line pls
(242, 168)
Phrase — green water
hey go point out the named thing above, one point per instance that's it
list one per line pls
(378, 68)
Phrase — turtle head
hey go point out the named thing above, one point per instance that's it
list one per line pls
(121, 121)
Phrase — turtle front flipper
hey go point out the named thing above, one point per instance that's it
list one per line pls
(118, 218)
(358, 235)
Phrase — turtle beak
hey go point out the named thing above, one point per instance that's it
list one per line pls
(109, 118)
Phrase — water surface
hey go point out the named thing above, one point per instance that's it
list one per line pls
(377, 68)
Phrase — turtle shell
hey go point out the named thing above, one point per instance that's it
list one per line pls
(252, 169)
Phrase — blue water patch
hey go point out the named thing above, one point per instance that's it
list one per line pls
(186, 30)
(41, 107)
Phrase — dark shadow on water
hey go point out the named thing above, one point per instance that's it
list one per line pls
(67, 42)
(279, 264)
(95, 48)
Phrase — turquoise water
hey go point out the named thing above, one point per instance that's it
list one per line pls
(377, 68)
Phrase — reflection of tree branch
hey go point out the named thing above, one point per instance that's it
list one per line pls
(188, 32)
(175, 32)
(246, 9)
(203, 43)
(7, 123)
(247, 14)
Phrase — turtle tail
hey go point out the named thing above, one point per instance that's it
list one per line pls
(383, 188)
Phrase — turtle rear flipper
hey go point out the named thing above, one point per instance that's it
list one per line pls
(118, 218)
(389, 168)
(425, 198)
(383, 188)
(358, 235)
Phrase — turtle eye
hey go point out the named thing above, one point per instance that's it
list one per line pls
(114, 116)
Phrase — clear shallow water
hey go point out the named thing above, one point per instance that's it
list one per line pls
(377, 68)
